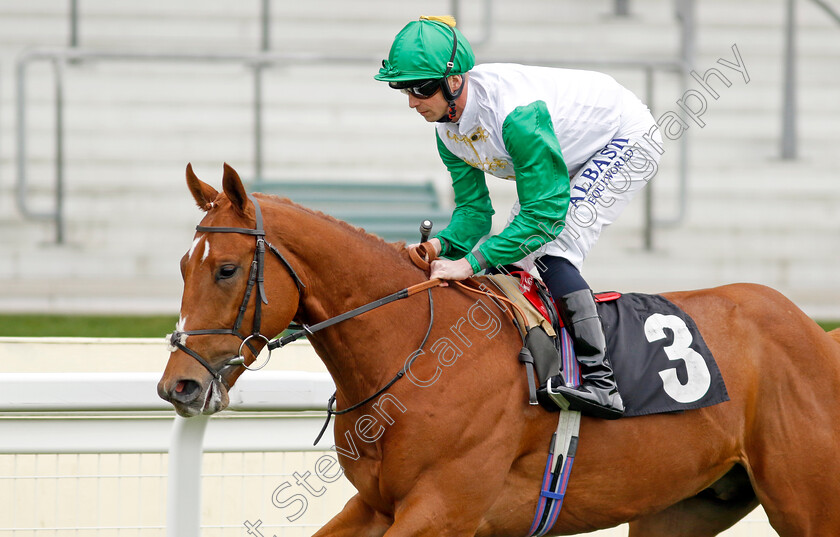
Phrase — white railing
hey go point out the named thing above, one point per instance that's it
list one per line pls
(63, 413)
(120, 413)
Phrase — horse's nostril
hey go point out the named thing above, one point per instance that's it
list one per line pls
(186, 391)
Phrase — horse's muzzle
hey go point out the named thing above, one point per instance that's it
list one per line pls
(190, 398)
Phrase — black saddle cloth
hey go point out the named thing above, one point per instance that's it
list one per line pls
(660, 360)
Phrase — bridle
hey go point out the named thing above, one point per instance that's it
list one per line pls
(255, 280)
(421, 257)
(177, 339)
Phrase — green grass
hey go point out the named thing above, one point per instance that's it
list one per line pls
(36, 325)
(829, 325)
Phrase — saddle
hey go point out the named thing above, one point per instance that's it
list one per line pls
(548, 346)
(659, 357)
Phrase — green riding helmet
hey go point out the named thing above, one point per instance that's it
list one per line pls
(429, 48)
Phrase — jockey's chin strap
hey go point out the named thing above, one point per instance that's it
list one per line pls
(448, 94)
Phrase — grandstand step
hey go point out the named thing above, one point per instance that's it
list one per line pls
(131, 127)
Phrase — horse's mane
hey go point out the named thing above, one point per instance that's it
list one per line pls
(375, 241)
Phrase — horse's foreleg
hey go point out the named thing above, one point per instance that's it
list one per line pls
(432, 520)
(357, 519)
(439, 507)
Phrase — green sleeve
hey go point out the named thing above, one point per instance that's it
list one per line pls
(542, 183)
(472, 217)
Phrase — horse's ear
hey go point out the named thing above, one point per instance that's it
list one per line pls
(203, 193)
(234, 190)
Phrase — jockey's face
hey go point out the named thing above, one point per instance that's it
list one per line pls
(435, 107)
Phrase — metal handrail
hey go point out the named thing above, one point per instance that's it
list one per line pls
(74, 23)
(621, 8)
(828, 9)
(258, 61)
(57, 213)
(685, 12)
(789, 136)
(261, 60)
(788, 142)
(487, 21)
(60, 57)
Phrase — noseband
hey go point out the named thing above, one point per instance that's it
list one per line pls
(255, 280)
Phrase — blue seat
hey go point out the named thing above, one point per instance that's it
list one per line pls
(392, 211)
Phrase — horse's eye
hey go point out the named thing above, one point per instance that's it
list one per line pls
(226, 271)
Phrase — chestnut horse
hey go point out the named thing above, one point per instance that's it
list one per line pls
(454, 448)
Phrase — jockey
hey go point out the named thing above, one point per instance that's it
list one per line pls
(578, 145)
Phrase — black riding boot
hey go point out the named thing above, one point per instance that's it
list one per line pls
(597, 395)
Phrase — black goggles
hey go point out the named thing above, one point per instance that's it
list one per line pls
(422, 89)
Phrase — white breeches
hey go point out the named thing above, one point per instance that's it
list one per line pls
(600, 190)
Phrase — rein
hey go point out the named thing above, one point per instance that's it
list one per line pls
(422, 256)
(307, 330)
(177, 339)
(383, 389)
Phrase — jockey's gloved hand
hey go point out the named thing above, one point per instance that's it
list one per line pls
(446, 269)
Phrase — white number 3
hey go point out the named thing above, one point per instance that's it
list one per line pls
(699, 378)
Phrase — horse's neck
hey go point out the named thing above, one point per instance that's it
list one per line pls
(344, 269)
(349, 272)
(360, 353)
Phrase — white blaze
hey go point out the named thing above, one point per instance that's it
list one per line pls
(194, 244)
